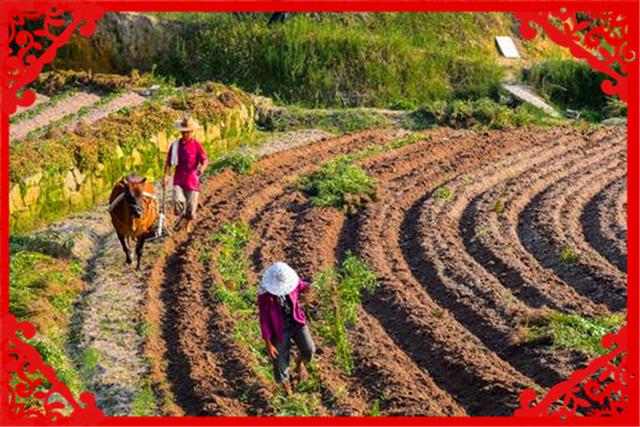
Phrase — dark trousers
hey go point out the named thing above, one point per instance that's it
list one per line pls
(301, 336)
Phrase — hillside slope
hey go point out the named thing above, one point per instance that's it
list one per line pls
(315, 59)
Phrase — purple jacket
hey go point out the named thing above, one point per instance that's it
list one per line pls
(271, 312)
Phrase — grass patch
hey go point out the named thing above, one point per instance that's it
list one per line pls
(340, 292)
(34, 111)
(231, 262)
(569, 255)
(341, 59)
(298, 405)
(498, 207)
(237, 161)
(90, 359)
(334, 121)
(42, 290)
(444, 193)
(571, 331)
(480, 114)
(144, 403)
(339, 184)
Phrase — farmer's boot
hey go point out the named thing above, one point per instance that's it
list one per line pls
(287, 388)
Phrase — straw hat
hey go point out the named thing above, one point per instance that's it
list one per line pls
(187, 124)
(279, 279)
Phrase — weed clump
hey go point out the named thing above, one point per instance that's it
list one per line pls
(339, 184)
(444, 193)
(569, 255)
(237, 161)
(572, 331)
(480, 114)
(231, 263)
(340, 292)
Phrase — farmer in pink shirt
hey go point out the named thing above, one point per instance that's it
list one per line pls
(189, 159)
(282, 320)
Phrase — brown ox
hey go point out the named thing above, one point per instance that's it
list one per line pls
(133, 210)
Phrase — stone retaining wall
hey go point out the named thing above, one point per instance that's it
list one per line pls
(47, 196)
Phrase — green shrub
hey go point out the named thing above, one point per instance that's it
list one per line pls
(237, 161)
(402, 105)
(443, 193)
(340, 292)
(339, 184)
(480, 114)
(571, 331)
(336, 121)
(569, 255)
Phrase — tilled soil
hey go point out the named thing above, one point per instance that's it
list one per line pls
(458, 271)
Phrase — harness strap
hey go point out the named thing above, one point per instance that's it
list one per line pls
(116, 202)
(118, 199)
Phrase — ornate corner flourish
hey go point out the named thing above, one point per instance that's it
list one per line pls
(24, 375)
(601, 389)
(24, 52)
(600, 38)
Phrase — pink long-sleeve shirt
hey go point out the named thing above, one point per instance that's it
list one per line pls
(190, 156)
(270, 312)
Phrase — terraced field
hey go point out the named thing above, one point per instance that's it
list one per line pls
(473, 235)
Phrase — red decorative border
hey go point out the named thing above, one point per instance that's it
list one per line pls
(605, 44)
(39, 47)
(604, 386)
(610, 381)
(20, 361)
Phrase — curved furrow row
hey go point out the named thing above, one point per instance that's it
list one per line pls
(604, 222)
(542, 232)
(418, 325)
(191, 363)
(476, 299)
(457, 281)
(569, 211)
(488, 227)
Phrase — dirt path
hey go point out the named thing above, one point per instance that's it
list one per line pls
(40, 99)
(126, 100)
(49, 115)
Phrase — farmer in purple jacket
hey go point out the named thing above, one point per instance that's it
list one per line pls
(282, 320)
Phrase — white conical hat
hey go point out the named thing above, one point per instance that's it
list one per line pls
(279, 279)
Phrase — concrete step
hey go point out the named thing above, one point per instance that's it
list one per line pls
(527, 94)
